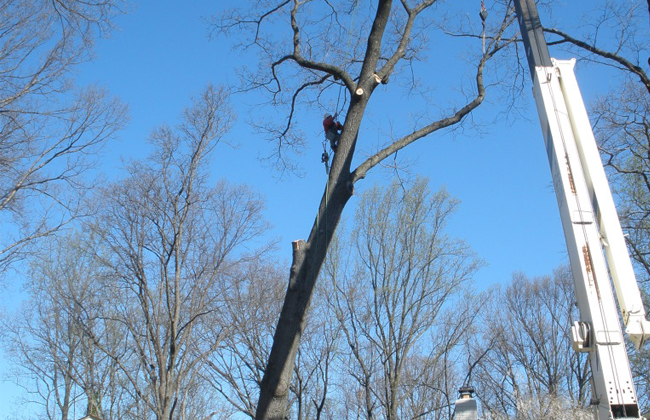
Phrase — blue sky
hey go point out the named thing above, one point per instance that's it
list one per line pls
(160, 55)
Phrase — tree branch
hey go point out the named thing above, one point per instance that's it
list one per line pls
(494, 47)
(626, 64)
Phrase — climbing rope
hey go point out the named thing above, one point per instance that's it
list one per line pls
(483, 14)
(323, 229)
(338, 100)
(354, 11)
(342, 88)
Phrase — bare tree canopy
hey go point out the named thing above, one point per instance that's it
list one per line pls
(383, 336)
(396, 290)
(308, 50)
(173, 242)
(529, 369)
(49, 129)
(167, 306)
(49, 340)
(251, 304)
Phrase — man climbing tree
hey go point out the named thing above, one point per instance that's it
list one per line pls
(324, 53)
(333, 130)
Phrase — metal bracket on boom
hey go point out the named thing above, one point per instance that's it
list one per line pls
(581, 336)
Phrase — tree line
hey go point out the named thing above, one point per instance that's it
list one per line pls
(131, 317)
(154, 296)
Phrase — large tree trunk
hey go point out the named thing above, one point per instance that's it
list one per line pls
(308, 258)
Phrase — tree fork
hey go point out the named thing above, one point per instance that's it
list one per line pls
(308, 257)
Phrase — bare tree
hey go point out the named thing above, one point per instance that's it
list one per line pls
(641, 368)
(531, 366)
(324, 49)
(49, 339)
(173, 242)
(396, 291)
(613, 35)
(623, 129)
(252, 303)
(250, 307)
(49, 129)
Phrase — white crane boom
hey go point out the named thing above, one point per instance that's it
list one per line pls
(593, 233)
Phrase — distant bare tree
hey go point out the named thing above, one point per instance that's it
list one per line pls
(251, 303)
(49, 339)
(395, 289)
(49, 130)
(530, 364)
(623, 130)
(174, 242)
(641, 369)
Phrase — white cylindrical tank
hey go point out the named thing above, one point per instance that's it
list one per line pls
(466, 408)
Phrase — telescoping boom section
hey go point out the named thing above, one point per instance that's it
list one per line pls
(594, 238)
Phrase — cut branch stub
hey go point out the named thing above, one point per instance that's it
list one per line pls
(298, 255)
